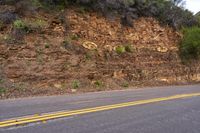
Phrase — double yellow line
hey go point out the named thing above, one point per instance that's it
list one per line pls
(45, 117)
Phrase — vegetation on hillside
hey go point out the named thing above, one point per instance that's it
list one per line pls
(168, 12)
(66, 46)
(198, 16)
(190, 44)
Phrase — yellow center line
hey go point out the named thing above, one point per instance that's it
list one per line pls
(45, 117)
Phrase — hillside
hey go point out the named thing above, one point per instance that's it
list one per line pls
(85, 51)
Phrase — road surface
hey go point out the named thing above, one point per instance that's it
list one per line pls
(181, 115)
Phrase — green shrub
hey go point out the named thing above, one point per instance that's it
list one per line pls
(74, 37)
(129, 48)
(190, 44)
(125, 85)
(75, 84)
(37, 24)
(88, 56)
(19, 24)
(198, 17)
(120, 50)
(2, 90)
(98, 83)
(1, 81)
(54, 4)
(36, 3)
(46, 45)
(82, 9)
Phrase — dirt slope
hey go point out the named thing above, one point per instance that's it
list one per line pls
(86, 57)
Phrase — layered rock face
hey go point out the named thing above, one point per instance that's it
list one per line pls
(99, 53)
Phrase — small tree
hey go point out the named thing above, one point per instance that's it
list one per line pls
(198, 17)
(180, 3)
(190, 45)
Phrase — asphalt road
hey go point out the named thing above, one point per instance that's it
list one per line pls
(173, 116)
